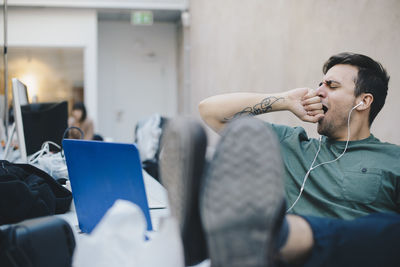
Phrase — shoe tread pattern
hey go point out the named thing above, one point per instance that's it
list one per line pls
(241, 193)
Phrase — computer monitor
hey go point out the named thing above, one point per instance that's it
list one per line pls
(20, 97)
(36, 123)
(44, 122)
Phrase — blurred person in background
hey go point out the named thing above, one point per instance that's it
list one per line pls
(80, 119)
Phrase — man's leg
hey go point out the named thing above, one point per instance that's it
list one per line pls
(372, 241)
(181, 166)
(242, 198)
(298, 241)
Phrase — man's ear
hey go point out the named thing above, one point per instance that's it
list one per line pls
(366, 99)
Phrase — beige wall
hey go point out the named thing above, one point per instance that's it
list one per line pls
(271, 46)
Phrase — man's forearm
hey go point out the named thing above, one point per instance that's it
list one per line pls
(303, 102)
(218, 110)
(266, 105)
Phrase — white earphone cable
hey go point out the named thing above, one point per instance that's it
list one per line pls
(323, 163)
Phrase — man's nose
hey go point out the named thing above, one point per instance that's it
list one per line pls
(321, 91)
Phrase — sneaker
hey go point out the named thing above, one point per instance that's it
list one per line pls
(184, 145)
(242, 197)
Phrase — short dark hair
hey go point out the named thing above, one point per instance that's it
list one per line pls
(80, 106)
(372, 78)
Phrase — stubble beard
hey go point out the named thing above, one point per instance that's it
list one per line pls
(329, 128)
(325, 128)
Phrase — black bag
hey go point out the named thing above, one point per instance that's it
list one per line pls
(40, 242)
(28, 192)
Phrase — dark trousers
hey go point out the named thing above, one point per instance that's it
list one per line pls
(373, 240)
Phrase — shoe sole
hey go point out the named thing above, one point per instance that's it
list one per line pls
(242, 196)
(182, 162)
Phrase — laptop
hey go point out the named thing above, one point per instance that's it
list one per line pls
(100, 173)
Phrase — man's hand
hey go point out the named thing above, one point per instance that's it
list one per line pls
(306, 104)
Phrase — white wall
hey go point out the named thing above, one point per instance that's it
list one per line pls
(50, 27)
(137, 75)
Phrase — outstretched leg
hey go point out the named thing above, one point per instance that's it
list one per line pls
(242, 199)
(182, 161)
(369, 241)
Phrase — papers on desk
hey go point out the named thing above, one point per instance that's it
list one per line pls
(156, 193)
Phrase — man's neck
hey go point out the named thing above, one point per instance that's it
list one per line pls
(357, 132)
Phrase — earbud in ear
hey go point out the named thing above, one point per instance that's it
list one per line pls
(359, 104)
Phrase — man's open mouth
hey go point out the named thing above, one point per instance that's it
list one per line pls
(325, 109)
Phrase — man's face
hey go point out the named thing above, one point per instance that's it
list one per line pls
(337, 95)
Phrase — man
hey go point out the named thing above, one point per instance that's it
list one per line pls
(350, 81)
(347, 174)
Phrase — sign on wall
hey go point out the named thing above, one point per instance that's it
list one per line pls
(142, 18)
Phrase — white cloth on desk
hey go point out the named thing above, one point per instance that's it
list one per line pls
(118, 240)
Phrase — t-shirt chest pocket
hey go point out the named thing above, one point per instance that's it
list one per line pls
(362, 185)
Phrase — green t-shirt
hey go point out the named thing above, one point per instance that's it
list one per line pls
(364, 180)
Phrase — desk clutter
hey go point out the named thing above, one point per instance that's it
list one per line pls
(35, 207)
(38, 224)
(27, 191)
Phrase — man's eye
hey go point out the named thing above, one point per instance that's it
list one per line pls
(319, 85)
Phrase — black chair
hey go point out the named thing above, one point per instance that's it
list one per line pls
(40, 242)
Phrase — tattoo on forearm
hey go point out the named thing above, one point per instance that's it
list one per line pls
(263, 107)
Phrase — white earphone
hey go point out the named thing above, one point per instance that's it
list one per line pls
(359, 104)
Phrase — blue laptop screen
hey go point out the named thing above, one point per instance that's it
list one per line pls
(100, 173)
